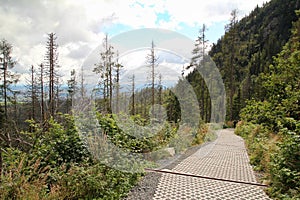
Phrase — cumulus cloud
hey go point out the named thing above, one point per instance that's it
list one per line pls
(80, 24)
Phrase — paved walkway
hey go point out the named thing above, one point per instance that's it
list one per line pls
(225, 158)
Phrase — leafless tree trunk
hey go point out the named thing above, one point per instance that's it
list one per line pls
(42, 92)
(160, 97)
(118, 67)
(32, 93)
(105, 69)
(51, 60)
(152, 59)
(133, 95)
(71, 88)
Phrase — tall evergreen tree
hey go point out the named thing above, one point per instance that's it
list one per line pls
(232, 35)
(198, 62)
(7, 76)
(105, 69)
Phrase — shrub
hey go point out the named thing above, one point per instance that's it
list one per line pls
(259, 144)
(58, 166)
(134, 137)
(285, 167)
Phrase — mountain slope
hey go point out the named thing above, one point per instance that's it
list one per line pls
(258, 37)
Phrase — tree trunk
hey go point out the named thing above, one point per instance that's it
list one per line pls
(32, 94)
(5, 88)
(42, 93)
(1, 164)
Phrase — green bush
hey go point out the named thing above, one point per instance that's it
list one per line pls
(285, 167)
(93, 181)
(182, 139)
(58, 166)
(133, 137)
(258, 144)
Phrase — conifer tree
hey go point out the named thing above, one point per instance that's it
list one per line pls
(105, 69)
(230, 62)
(8, 77)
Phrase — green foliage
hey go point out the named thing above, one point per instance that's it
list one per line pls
(93, 181)
(22, 177)
(134, 137)
(172, 107)
(258, 143)
(183, 138)
(59, 144)
(58, 166)
(285, 166)
(258, 37)
(278, 118)
(261, 112)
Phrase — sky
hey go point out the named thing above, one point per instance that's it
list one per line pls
(80, 25)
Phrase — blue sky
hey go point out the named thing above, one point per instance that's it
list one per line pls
(214, 32)
(81, 25)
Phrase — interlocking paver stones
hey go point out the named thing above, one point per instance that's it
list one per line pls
(224, 158)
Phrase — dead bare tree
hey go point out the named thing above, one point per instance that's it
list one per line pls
(152, 61)
(132, 79)
(51, 61)
(41, 88)
(118, 68)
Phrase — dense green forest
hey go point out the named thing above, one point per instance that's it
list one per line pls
(259, 60)
(247, 49)
(44, 156)
(271, 126)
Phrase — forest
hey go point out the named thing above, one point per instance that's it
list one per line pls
(56, 144)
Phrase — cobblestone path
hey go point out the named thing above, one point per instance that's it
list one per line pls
(225, 158)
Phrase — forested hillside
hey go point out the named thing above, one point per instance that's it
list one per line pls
(258, 58)
(271, 126)
(247, 49)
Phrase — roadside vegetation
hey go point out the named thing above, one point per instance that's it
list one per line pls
(271, 127)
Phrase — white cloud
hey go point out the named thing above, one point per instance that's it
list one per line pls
(79, 24)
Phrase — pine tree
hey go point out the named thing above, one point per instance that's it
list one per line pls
(7, 76)
(198, 62)
(231, 30)
(6, 62)
(105, 70)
